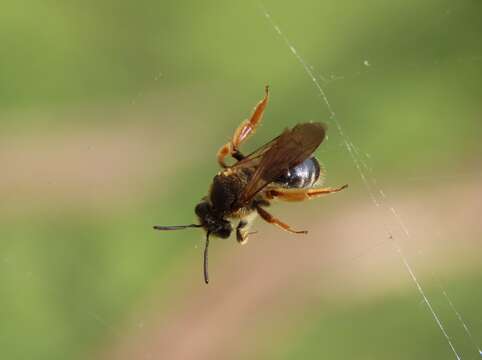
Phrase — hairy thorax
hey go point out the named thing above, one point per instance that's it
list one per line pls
(226, 190)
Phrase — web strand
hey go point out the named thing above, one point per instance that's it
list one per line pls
(370, 186)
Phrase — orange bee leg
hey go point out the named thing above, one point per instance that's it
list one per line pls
(266, 216)
(300, 194)
(244, 130)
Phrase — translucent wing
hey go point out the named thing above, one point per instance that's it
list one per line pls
(289, 149)
(253, 159)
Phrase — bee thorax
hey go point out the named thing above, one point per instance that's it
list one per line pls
(226, 189)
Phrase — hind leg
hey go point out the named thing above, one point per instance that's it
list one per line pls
(300, 194)
(243, 131)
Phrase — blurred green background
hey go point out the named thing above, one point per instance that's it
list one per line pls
(110, 117)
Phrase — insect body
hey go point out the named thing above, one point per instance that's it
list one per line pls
(282, 169)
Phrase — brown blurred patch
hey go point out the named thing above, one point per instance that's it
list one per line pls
(85, 162)
(262, 288)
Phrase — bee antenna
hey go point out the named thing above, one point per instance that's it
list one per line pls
(206, 275)
(176, 227)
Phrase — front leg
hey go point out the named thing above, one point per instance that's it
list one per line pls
(241, 232)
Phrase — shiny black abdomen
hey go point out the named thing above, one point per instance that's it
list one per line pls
(302, 175)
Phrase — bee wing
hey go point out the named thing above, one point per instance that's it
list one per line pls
(252, 160)
(289, 149)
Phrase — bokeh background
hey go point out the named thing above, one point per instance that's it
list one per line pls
(110, 117)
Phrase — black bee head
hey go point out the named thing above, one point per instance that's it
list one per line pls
(211, 221)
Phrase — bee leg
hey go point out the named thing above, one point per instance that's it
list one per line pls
(244, 130)
(301, 194)
(242, 233)
(242, 230)
(266, 216)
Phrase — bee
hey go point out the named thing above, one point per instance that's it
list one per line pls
(283, 169)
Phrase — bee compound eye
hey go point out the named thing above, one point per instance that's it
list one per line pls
(202, 209)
